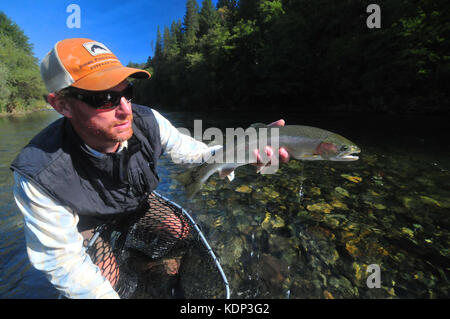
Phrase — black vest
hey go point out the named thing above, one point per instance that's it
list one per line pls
(95, 188)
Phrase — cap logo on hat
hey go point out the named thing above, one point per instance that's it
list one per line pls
(96, 48)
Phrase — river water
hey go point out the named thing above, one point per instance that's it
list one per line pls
(310, 231)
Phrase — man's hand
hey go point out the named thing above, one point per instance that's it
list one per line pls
(283, 154)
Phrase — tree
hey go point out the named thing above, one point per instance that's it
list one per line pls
(207, 17)
(21, 86)
(159, 46)
(12, 30)
(167, 39)
(314, 55)
(247, 9)
(191, 25)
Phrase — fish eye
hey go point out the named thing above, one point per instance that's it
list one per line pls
(344, 148)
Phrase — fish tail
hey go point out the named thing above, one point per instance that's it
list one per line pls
(189, 181)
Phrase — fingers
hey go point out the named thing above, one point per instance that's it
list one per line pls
(283, 155)
(269, 152)
(282, 152)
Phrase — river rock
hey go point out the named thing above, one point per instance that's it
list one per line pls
(320, 207)
(430, 201)
(339, 205)
(243, 189)
(354, 179)
(315, 190)
(341, 191)
(274, 221)
(269, 192)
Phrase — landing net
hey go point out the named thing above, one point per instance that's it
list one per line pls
(160, 253)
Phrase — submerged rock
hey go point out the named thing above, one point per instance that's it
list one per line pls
(315, 190)
(243, 189)
(274, 221)
(430, 201)
(274, 271)
(342, 191)
(339, 205)
(320, 207)
(354, 179)
(269, 192)
(407, 232)
(327, 295)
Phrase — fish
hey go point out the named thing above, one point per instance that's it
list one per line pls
(305, 143)
(96, 46)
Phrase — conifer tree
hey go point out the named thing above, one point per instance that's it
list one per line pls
(166, 41)
(207, 17)
(191, 24)
(158, 46)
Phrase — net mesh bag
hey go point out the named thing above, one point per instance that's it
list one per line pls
(159, 253)
(106, 250)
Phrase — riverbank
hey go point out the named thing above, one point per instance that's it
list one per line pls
(28, 111)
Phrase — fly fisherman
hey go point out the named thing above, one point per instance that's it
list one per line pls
(95, 164)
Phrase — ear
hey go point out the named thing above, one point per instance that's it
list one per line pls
(60, 104)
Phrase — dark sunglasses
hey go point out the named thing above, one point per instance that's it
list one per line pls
(100, 100)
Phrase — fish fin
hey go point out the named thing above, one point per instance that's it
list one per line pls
(230, 176)
(190, 184)
(226, 172)
(260, 169)
(258, 125)
(265, 169)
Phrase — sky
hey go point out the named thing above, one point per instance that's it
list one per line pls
(126, 27)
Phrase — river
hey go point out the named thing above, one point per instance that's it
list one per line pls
(310, 231)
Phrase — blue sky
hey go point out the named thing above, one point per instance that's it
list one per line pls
(126, 27)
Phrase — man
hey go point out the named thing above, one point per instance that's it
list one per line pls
(95, 164)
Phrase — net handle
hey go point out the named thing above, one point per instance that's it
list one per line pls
(94, 237)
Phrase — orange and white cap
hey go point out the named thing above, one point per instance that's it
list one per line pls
(84, 64)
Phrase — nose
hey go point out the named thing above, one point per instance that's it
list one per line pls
(124, 107)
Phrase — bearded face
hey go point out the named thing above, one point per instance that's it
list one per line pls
(102, 129)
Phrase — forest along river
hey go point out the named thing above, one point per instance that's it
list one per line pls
(309, 231)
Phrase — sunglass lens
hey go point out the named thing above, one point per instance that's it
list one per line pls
(128, 92)
(112, 99)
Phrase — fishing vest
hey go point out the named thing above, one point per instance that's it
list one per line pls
(97, 189)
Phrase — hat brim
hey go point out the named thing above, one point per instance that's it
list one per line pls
(109, 78)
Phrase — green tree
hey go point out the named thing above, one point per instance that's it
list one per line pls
(167, 39)
(314, 55)
(191, 25)
(247, 9)
(207, 17)
(21, 86)
(158, 46)
(4, 89)
(12, 30)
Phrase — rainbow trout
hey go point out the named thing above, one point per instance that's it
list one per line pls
(305, 143)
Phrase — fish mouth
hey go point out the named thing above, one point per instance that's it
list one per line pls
(349, 156)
